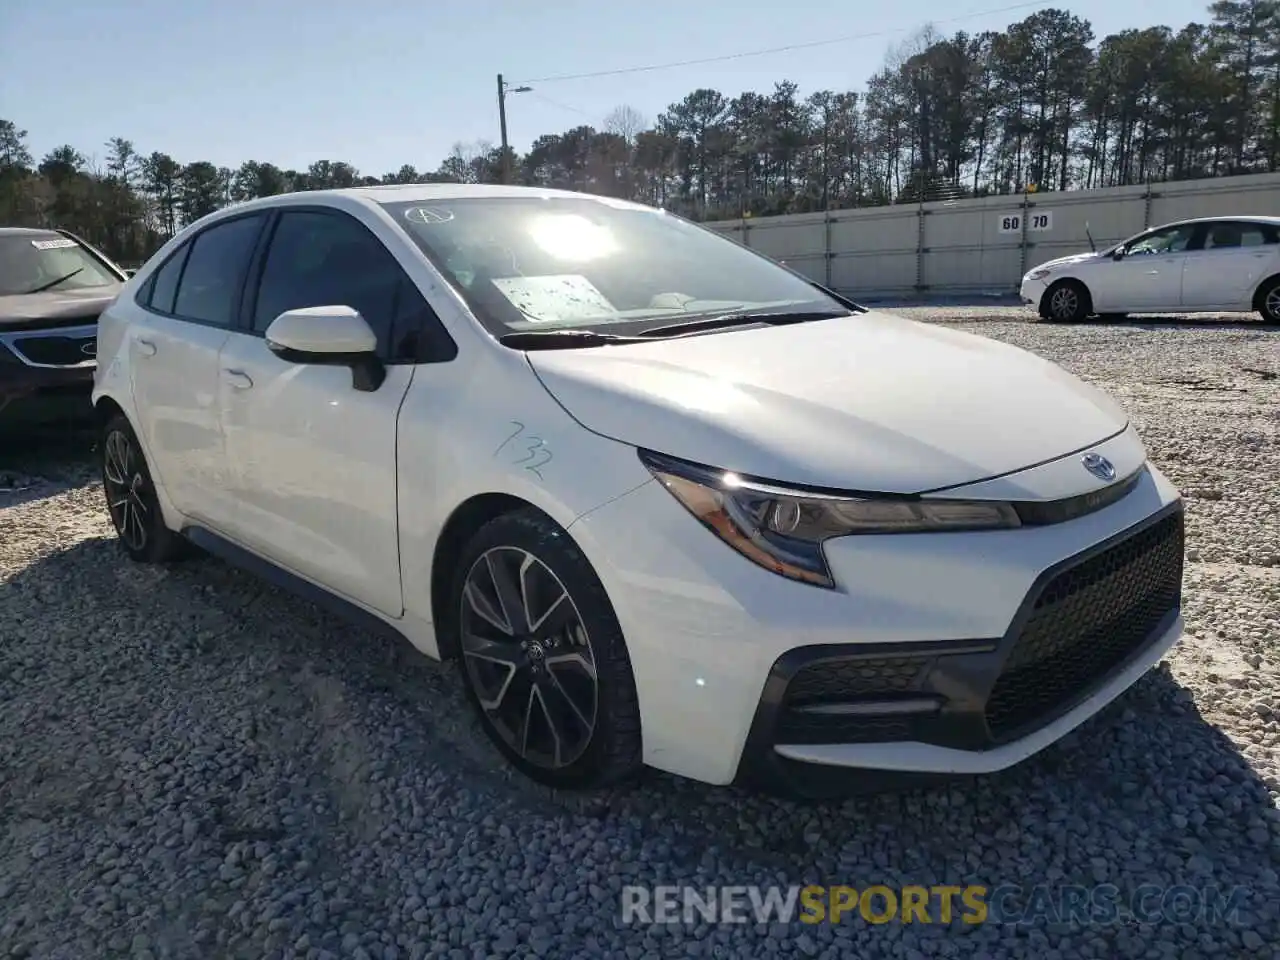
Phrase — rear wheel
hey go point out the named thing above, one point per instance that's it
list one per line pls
(544, 662)
(1269, 301)
(131, 497)
(1067, 301)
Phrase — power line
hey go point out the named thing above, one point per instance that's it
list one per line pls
(771, 50)
(559, 105)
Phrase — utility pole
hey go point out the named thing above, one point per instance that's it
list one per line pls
(502, 120)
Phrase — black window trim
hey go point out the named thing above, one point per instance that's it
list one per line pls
(438, 346)
(184, 250)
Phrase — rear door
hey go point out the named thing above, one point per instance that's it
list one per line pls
(178, 324)
(1237, 255)
(314, 459)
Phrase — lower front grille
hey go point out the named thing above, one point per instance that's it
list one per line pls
(1086, 622)
(831, 682)
(56, 351)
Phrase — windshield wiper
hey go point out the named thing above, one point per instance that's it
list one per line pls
(53, 283)
(560, 339)
(740, 318)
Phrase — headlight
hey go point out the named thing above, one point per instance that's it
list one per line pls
(1039, 273)
(783, 530)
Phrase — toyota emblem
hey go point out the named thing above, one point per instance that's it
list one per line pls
(1099, 466)
(89, 349)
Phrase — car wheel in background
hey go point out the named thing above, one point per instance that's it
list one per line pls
(544, 662)
(1268, 301)
(1067, 301)
(131, 497)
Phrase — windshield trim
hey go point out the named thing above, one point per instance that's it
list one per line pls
(496, 329)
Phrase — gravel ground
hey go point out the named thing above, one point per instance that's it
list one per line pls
(195, 765)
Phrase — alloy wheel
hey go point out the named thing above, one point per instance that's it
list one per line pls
(528, 657)
(1064, 303)
(126, 488)
(1271, 306)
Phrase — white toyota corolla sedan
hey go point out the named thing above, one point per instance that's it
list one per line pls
(665, 501)
(1212, 265)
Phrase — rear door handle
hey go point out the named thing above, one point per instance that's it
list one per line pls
(146, 348)
(237, 378)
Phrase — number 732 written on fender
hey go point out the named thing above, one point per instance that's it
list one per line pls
(1038, 222)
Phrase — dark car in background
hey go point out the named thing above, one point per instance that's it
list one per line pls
(53, 286)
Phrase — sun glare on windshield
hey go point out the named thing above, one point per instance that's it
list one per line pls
(572, 238)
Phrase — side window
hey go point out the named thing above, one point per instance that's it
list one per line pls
(1229, 234)
(164, 282)
(210, 287)
(1173, 240)
(323, 259)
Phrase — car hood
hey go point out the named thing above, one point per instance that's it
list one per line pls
(870, 402)
(1066, 261)
(56, 307)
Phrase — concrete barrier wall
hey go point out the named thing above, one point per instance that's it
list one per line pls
(983, 245)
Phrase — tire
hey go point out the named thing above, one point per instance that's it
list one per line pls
(1268, 301)
(1067, 301)
(131, 497)
(518, 678)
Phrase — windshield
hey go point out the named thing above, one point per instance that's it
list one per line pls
(539, 263)
(48, 261)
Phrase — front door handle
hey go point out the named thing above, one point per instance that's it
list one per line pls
(237, 378)
(146, 348)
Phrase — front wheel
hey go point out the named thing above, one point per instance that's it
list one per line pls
(131, 497)
(1269, 301)
(544, 662)
(1067, 301)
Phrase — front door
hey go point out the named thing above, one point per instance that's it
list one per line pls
(1149, 275)
(314, 459)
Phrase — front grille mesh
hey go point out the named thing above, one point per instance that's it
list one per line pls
(829, 680)
(1086, 622)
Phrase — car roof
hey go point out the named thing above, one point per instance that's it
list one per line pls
(1273, 221)
(412, 193)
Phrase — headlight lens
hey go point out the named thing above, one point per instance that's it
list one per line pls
(1039, 274)
(783, 530)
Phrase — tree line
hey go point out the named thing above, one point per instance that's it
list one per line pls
(1038, 105)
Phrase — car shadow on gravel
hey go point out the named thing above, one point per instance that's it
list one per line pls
(37, 463)
(1163, 322)
(249, 723)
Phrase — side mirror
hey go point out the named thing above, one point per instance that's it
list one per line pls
(330, 336)
(1117, 253)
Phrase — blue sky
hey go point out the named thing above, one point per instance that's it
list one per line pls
(386, 82)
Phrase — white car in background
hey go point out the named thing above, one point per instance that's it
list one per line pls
(666, 501)
(1212, 265)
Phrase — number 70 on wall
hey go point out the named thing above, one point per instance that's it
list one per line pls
(1036, 222)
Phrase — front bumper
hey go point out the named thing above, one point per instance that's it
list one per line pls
(1086, 631)
(1032, 291)
(39, 365)
(713, 638)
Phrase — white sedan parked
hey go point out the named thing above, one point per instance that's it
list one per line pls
(1223, 264)
(666, 501)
